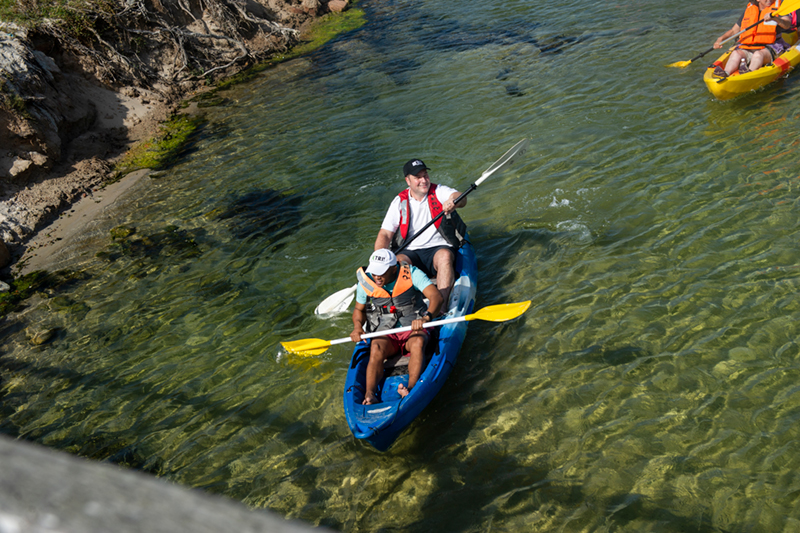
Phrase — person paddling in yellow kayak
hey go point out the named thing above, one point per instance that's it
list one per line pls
(391, 295)
(757, 46)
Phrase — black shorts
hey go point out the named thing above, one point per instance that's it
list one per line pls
(423, 259)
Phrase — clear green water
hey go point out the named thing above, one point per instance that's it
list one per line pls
(653, 385)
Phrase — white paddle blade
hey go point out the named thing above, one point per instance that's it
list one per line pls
(508, 159)
(337, 302)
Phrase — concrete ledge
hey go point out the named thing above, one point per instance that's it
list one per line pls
(46, 491)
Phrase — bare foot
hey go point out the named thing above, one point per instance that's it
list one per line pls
(370, 398)
(402, 390)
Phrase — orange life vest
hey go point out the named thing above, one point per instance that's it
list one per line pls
(763, 34)
(384, 310)
(401, 285)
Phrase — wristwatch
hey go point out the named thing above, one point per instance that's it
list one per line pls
(428, 314)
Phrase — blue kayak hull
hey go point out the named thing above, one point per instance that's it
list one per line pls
(381, 423)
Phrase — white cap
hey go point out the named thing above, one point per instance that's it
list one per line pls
(380, 261)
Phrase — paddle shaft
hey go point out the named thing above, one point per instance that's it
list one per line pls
(383, 333)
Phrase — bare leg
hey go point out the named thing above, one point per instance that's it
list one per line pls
(443, 263)
(733, 61)
(381, 350)
(416, 353)
(760, 58)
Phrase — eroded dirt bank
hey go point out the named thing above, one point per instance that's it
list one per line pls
(75, 97)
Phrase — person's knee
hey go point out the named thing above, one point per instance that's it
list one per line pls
(381, 349)
(444, 258)
(416, 343)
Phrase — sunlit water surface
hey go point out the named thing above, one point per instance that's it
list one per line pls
(654, 385)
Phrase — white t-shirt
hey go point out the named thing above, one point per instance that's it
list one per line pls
(420, 214)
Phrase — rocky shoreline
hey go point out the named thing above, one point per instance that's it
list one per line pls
(72, 106)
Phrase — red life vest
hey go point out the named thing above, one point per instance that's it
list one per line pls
(451, 227)
(433, 204)
(763, 34)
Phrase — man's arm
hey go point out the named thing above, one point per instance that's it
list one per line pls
(384, 239)
(784, 22)
(718, 42)
(434, 299)
(359, 317)
(434, 302)
(449, 206)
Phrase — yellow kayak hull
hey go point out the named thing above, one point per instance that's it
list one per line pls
(738, 84)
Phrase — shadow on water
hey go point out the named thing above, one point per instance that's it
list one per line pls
(528, 237)
(265, 213)
(399, 69)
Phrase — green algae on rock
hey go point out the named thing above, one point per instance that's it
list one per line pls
(39, 281)
(163, 150)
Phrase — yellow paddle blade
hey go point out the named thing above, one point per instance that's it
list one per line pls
(306, 346)
(500, 312)
(787, 7)
(679, 64)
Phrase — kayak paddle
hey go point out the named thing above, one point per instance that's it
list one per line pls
(340, 300)
(492, 313)
(507, 159)
(785, 9)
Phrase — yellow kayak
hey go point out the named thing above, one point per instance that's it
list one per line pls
(738, 84)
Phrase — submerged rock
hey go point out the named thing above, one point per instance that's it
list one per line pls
(122, 232)
(148, 251)
(38, 336)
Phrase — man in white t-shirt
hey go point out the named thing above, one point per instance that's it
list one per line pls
(434, 251)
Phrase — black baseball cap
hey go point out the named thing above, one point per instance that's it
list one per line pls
(414, 167)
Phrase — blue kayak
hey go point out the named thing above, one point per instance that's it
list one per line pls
(381, 423)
